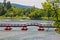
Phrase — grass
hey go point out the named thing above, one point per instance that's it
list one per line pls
(17, 17)
(26, 17)
(57, 24)
(58, 31)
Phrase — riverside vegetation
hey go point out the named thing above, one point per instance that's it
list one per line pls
(50, 11)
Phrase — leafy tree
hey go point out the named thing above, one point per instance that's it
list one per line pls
(2, 11)
(9, 14)
(49, 10)
(47, 7)
(15, 11)
(36, 14)
(4, 3)
(55, 7)
(8, 5)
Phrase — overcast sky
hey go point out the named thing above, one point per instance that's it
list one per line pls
(36, 3)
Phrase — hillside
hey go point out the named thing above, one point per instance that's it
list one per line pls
(19, 5)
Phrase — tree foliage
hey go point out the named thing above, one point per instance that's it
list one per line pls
(50, 11)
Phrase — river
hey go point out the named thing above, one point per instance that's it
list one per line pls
(31, 34)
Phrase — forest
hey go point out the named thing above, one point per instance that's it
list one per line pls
(50, 11)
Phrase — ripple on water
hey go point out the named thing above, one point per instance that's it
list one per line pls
(34, 38)
(32, 35)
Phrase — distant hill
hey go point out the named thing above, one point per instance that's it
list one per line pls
(19, 6)
(1, 3)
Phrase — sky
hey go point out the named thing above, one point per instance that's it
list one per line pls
(36, 3)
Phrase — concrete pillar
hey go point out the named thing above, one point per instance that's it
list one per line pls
(40, 29)
(24, 27)
(8, 28)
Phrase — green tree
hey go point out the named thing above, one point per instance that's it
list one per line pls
(2, 11)
(8, 5)
(36, 14)
(47, 7)
(15, 11)
(4, 3)
(55, 7)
